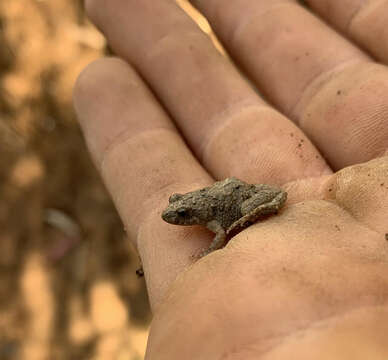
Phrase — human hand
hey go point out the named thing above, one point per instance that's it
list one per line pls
(308, 283)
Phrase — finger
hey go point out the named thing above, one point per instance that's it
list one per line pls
(365, 22)
(329, 86)
(142, 160)
(226, 124)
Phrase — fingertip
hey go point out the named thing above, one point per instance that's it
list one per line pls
(90, 8)
(103, 94)
(88, 85)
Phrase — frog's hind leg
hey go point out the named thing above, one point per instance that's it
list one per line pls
(257, 206)
(218, 241)
(262, 202)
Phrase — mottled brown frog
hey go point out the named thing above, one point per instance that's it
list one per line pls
(226, 206)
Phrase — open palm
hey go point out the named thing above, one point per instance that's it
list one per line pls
(172, 115)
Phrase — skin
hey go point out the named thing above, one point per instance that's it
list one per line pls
(308, 283)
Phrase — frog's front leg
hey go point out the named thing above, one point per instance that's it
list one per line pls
(219, 239)
(259, 205)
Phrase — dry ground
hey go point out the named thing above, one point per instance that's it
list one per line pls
(67, 284)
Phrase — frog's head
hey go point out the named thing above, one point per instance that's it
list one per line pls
(180, 211)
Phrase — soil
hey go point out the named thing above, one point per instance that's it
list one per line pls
(68, 288)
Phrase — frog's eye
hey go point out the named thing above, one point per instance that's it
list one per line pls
(182, 212)
(175, 197)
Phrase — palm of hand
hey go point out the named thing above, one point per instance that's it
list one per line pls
(322, 262)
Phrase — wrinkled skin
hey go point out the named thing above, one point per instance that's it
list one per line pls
(310, 283)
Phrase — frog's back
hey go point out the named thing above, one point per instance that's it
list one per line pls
(227, 197)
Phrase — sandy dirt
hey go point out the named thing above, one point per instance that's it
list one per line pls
(68, 288)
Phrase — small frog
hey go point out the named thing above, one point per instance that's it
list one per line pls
(226, 206)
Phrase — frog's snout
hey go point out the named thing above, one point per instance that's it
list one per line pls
(164, 215)
(168, 215)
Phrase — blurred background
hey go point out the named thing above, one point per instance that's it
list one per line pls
(68, 288)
